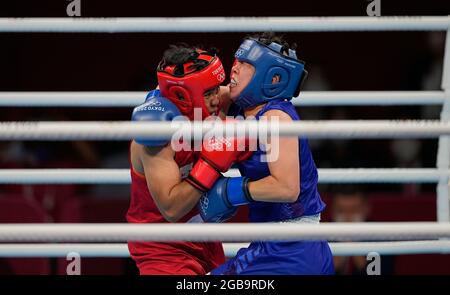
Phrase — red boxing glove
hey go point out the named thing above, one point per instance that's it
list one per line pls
(217, 155)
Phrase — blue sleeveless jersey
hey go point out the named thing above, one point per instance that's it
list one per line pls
(293, 257)
(309, 201)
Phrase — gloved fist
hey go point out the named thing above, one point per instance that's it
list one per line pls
(220, 203)
(217, 155)
(155, 108)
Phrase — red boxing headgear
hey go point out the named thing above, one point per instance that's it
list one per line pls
(186, 90)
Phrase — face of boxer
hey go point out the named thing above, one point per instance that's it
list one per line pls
(212, 99)
(241, 74)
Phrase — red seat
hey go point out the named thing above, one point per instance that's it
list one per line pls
(90, 209)
(85, 208)
(394, 207)
(51, 197)
(433, 264)
(17, 209)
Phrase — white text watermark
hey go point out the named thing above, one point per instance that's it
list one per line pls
(73, 8)
(74, 263)
(374, 8)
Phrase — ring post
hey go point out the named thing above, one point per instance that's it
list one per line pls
(443, 154)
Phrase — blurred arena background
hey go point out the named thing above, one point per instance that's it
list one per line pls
(127, 62)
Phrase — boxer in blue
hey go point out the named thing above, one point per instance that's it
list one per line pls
(264, 78)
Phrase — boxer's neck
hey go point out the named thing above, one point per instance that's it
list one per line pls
(253, 111)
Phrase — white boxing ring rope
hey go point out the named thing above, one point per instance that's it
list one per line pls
(224, 24)
(225, 232)
(122, 176)
(134, 98)
(425, 235)
(121, 250)
(124, 130)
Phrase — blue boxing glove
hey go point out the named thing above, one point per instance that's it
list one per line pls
(155, 108)
(221, 201)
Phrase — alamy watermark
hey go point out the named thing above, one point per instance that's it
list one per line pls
(215, 134)
(73, 8)
(374, 266)
(74, 264)
(224, 135)
(374, 8)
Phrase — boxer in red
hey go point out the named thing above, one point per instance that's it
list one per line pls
(161, 190)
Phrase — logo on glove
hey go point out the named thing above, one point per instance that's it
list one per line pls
(204, 203)
(216, 143)
(154, 103)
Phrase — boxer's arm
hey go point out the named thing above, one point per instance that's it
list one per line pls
(154, 158)
(174, 197)
(283, 183)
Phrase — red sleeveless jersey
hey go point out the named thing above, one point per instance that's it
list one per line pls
(171, 257)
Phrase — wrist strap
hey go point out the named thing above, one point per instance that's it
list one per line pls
(237, 191)
(248, 196)
(203, 176)
(192, 181)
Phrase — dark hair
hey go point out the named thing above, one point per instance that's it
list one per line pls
(182, 53)
(270, 37)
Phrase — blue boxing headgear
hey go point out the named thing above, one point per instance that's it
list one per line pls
(269, 61)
